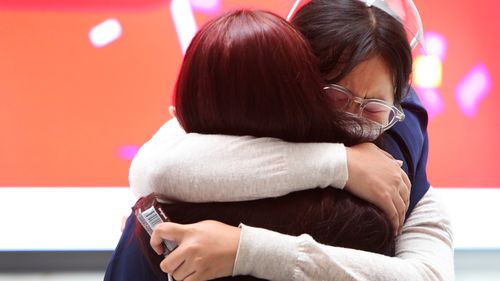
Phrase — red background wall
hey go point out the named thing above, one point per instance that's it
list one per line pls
(72, 114)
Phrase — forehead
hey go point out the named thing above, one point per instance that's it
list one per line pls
(371, 78)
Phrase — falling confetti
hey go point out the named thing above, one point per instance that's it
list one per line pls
(432, 100)
(127, 152)
(473, 88)
(105, 33)
(206, 6)
(435, 45)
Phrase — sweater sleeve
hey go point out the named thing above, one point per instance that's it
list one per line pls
(424, 251)
(202, 168)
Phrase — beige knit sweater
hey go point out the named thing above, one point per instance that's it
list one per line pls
(198, 168)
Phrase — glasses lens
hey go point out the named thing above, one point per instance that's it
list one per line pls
(339, 98)
(378, 112)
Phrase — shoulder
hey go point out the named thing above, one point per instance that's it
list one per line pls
(410, 135)
(415, 111)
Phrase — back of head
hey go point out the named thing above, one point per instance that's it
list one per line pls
(252, 73)
(344, 33)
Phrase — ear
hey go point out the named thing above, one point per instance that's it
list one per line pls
(171, 110)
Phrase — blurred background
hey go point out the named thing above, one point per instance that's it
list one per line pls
(84, 83)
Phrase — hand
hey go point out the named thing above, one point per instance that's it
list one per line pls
(206, 250)
(375, 176)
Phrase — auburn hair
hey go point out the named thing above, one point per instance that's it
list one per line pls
(252, 73)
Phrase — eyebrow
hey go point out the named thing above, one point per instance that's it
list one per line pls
(370, 93)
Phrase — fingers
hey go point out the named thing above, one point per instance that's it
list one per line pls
(181, 264)
(206, 250)
(392, 212)
(401, 209)
(166, 231)
(404, 193)
(399, 196)
(173, 261)
(402, 199)
(407, 184)
(195, 277)
(184, 271)
(395, 208)
(374, 175)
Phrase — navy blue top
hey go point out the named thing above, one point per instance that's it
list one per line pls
(406, 141)
(128, 262)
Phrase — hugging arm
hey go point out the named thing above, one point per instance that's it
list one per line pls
(201, 168)
(424, 251)
(204, 168)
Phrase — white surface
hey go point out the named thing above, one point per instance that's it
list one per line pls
(62, 218)
(90, 218)
(474, 213)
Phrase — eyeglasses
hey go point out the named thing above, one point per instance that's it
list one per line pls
(378, 111)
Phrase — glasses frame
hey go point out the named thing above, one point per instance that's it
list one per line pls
(397, 110)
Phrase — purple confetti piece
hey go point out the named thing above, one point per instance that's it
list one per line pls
(473, 88)
(206, 6)
(432, 100)
(127, 152)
